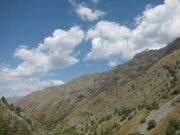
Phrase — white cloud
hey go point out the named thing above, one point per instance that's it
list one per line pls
(88, 14)
(155, 28)
(108, 38)
(112, 63)
(57, 82)
(56, 52)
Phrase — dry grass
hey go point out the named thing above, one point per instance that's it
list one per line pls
(132, 125)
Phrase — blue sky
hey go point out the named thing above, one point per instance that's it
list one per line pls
(101, 25)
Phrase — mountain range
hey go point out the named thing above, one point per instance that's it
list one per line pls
(138, 97)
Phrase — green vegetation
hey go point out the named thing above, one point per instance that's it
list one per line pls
(174, 125)
(14, 122)
(125, 113)
(143, 120)
(115, 125)
(11, 124)
(176, 91)
(153, 106)
(3, 99)
(151, 124)
(172, 72)
(17, 109)
(165, 96)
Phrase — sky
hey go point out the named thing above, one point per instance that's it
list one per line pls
(50, 42)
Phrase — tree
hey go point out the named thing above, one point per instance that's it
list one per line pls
(4, 100)
(17, 109)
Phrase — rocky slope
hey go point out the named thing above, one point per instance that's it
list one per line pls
(147, 89)
(14, 122)
(12, 99)
(92, 102)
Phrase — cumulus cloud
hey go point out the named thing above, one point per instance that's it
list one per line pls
(56, 52)
(86, 13)
(154, 29)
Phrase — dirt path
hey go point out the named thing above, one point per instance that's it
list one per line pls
(157, 115)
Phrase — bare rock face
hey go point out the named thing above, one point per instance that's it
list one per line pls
(106, 90)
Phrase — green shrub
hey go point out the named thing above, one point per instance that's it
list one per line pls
(108, 117)
(153, 106)
(151, 124)
(165, 96)
(18, 109)
(177, 62)
(133, 87)
(174, 125)
(3, 99)
(176, 91)
(170, 131)
(125, 113)
(141, 106)
(29, 121)
(115, 125)
(11, 107)
(143, 120)
(173, 84)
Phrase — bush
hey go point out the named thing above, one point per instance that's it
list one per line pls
(151, 124)
(165, 96)
(173, 83)
(174, 125)
(4, 100)
(143, 120)
(176, 91)
(115, 125)
(141, 106)
(125, 113)
(170, 131)
(17, 109)
(177, 62)
(153, 106)
(11, 107)
(108, 118)
(29, 121)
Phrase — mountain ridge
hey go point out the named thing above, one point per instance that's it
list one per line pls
(59, 104)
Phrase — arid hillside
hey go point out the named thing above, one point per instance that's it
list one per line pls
(105, 103)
